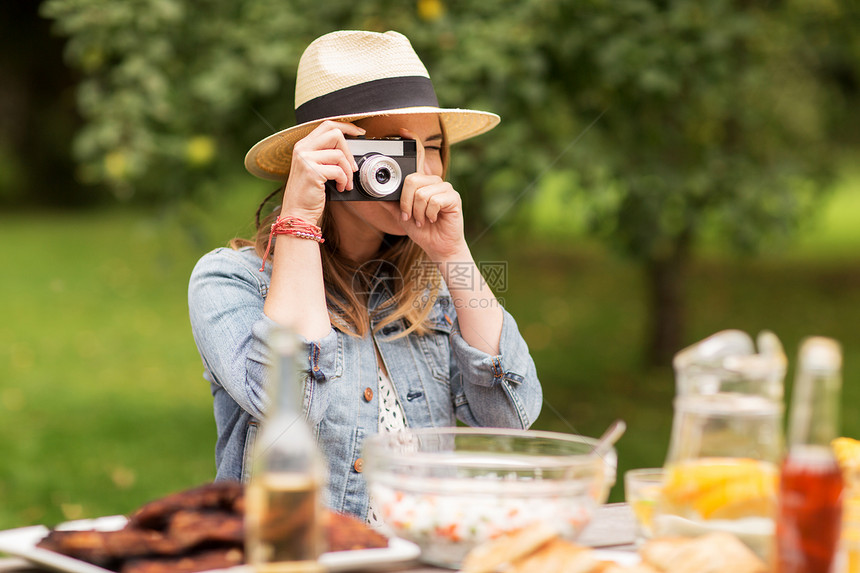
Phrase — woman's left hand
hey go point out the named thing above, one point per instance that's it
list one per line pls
(432, 215)
(431, 210)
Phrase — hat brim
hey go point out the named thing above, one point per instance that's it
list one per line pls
(270, 158)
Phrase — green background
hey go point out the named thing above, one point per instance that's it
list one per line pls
(102, 402)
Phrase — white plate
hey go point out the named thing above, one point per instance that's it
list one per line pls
(620, 557)
(22, 543)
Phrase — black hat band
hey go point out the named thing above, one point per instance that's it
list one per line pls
(368, 97)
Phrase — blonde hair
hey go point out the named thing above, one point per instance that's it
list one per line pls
(413, 289)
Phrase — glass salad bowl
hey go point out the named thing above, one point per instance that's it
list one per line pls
(449, 489)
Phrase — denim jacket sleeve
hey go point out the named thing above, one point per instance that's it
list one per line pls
(226, 295)
(495, 391)
(501, 390)
(225, 304)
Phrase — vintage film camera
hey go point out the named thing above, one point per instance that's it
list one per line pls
(383, 165)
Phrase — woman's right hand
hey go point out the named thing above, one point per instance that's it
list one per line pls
(320, 156)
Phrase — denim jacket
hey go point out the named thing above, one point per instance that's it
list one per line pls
(438, 377)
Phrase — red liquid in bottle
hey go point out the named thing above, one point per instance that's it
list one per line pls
(810, 512)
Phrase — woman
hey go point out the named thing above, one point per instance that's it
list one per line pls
(394, 336)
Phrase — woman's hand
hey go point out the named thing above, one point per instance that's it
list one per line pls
(320, 156)
(432, 214)
(431, 209)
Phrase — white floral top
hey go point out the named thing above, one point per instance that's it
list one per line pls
(391, 419)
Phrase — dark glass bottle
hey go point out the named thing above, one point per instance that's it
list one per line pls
(283, 518)
(810, 499)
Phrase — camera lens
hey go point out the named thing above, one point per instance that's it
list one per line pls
(379, 175)
(383, 175)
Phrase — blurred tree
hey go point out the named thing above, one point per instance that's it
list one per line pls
(670, 116)
(831, 49)
(174, 93)
(713, 115)
(37, 113)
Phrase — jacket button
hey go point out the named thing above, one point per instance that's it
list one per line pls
(358, 465)
(368, 394)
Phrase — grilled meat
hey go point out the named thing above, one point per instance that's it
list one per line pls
(219, 495)
(189, 531)
(347, 533)
(202, 561)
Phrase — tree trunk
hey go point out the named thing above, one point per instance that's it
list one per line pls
(666, 289)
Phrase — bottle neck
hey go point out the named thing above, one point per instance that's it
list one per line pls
(815, 409)
(285, 442)
(284, 387)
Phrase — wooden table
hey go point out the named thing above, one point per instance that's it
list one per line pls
(613, 527)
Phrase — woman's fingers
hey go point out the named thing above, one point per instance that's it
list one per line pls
(322, 155)
(328, 165)
(409, 196)
(333, 134)
(326, 146)
(425, 196)
(442, 201)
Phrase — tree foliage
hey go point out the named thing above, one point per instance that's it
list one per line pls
(709, 114)
(705, 108)
(668, 116)
(37, 113)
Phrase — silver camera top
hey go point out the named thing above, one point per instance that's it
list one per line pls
(390, 147)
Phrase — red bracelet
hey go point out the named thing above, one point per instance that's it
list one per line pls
(295, 227)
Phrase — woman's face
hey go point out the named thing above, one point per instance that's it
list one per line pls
(351, 216)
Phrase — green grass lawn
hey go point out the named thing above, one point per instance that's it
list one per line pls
(102, 403)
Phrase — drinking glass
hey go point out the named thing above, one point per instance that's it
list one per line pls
(642, 490)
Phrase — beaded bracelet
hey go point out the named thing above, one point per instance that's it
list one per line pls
(295, 227)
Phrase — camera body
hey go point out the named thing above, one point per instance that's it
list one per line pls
(383, 165)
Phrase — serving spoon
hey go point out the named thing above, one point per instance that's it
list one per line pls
(615, 430)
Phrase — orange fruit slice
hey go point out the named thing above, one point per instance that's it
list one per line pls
(722, 488)
(847, 452)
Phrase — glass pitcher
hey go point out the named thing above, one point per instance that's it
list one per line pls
(721, 471)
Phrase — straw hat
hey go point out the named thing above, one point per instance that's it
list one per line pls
(350, 75)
